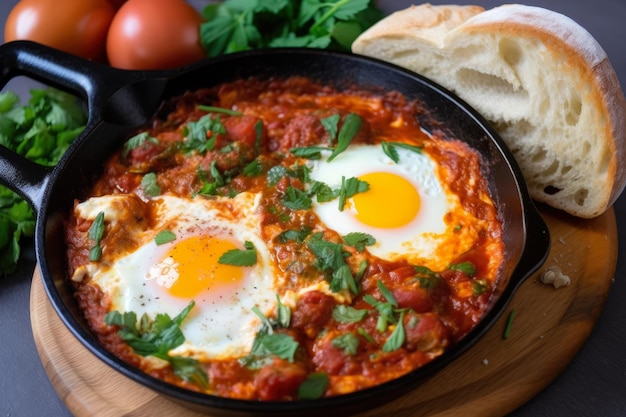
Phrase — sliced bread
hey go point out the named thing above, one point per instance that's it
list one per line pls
(540, 78)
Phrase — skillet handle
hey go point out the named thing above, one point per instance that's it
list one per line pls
(93, 82)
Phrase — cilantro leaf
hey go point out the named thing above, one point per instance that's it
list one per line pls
(349, 129)
(313, 386)
(347, 314)
(164, 236)
(95, 233)
(40, 130)
(348, 342)
(150, 186)
(157, 337)
(349, 188)
(240, 257)
(359, 240)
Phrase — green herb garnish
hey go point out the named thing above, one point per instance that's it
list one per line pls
(39, 130)
(359, 240)
(313, 386)
(347, 314)
(150, 186)
(96, 231)
(157, 338)
(238, 25)
(349, 188)
(509, 324)
(164, 236)
(349, 129)
(389, 148)
(240, 257)
(467, 268)
(348, 343)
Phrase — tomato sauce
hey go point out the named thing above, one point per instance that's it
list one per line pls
(267, 119)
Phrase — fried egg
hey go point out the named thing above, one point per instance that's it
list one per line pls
(407, 209)
(165, 278)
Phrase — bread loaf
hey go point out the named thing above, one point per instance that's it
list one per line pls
(541, 79)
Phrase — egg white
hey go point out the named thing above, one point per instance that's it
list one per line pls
(222, 323)
(419, 236)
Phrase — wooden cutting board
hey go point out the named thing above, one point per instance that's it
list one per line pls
(493, 378)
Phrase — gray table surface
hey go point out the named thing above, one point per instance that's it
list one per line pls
(594, 383)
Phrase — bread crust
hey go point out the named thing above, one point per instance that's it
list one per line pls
(432, 30)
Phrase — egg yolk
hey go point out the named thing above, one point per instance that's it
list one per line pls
(391, 201)
(191, 266)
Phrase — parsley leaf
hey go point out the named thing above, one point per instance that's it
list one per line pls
(96, 231)
(389, 148)
(296, 199)
(150, 186)
(157, 337)
(467, 268)
(349, 129)
(137, 141)
(240, 257)
(40, 130)
(313, 386)
(349, 188)
(359, 240)
(237, 25)
(200, 136)
(164, 236)
(397, 337)
(347, 314)
(348, 342)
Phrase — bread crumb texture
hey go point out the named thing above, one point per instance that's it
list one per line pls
(553, 275)
(541, 79)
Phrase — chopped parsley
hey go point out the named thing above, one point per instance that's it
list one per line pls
(164, 236)
(150, 186)
(96, 231)
(157, 337)
(240, 257)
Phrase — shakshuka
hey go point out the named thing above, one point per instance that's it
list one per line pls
(279, 239)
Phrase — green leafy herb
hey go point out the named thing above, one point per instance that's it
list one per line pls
(509, 325)
(386, 312)
(397, 337)
(253, 169)
(329, 258)
(467, 268)
(348, 342)
(268, 343)
(96, 231)
(237, 25)
(137, 141)
(389, 148)
(309, 152)
(366, 335)
(214, 109)
(479, 286)
(200, 136)
(348, 314)
(150, 186)
(313, 386)
(349, 129)
(349, 188)
(283, 314)
(157, 337)
(164, 236)
(298, 236)
(39, 130)
(296, 199)
(240, 257)
(359, 240)
(331, 124)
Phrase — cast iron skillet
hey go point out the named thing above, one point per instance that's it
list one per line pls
(118, 101)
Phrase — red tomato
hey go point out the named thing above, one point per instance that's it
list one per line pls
(75, 26)
(154, 34)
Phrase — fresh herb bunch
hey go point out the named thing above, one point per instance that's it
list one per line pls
(40, 130)
(239, 25)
